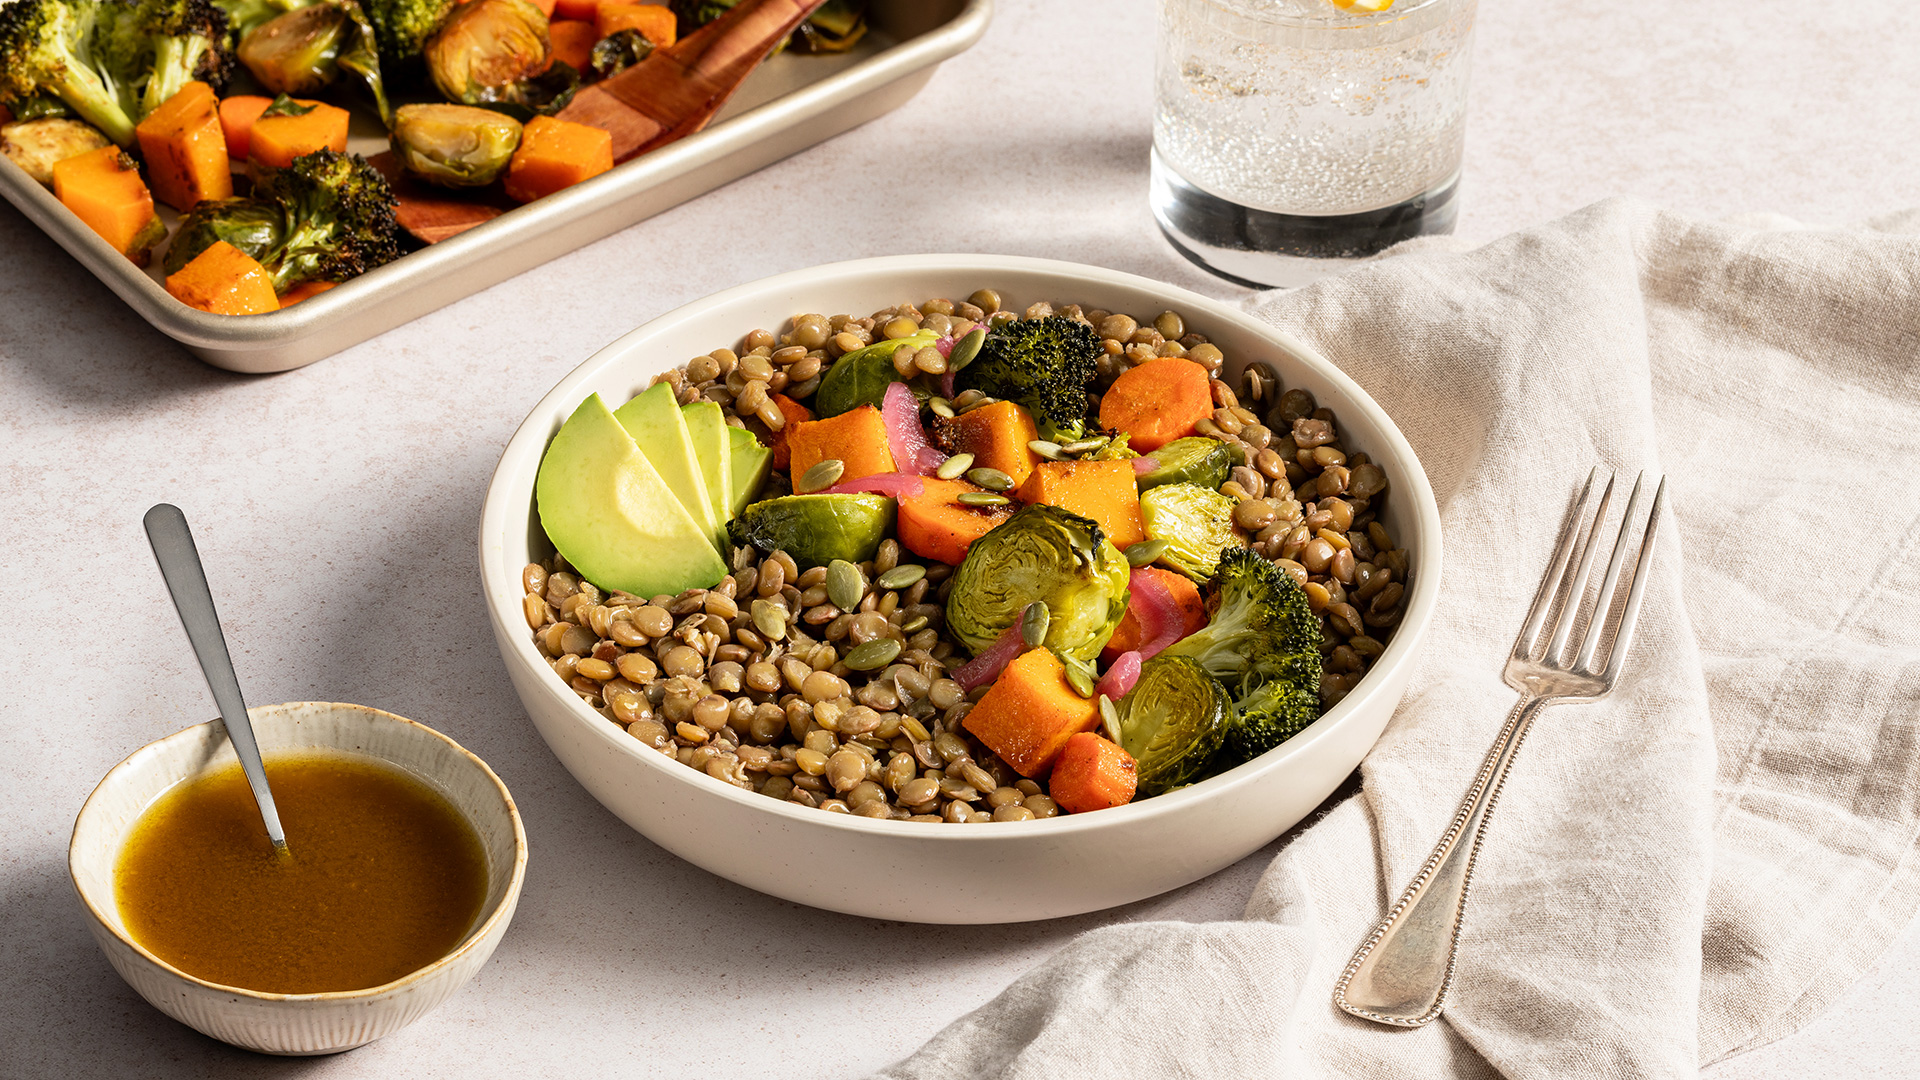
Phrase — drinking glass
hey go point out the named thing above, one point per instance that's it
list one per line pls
(1291, 137)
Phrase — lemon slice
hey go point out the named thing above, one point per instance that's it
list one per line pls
(1362, 5)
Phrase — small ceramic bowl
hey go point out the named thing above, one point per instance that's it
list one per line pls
(298, 1023)
(995, 872)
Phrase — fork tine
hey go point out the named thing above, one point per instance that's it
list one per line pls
(1543, 600)
(1604, 599)
(1577, 595)
(1623, 638)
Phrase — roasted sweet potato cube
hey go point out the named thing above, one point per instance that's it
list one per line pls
(1101, 490)
(1030, 712)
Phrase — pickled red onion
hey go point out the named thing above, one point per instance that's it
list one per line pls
(905, 436)
(1144, 465)
(1120, 676)
(1157, 612)
(987, 667)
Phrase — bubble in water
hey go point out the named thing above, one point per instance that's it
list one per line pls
(1327, 114)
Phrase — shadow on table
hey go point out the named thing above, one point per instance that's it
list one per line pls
(64, 331)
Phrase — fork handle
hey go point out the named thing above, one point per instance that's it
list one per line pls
(1402, 972)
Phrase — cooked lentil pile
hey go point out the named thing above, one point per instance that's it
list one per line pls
(831, 689)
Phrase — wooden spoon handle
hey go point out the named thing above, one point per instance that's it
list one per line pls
(677, 90)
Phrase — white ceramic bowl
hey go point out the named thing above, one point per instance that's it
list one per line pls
(917, 872)
(298, 1023)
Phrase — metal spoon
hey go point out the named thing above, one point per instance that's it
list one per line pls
(187, 580)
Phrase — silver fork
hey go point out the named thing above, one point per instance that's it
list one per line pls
(1402, 972)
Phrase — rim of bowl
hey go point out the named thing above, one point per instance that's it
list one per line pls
(471, 941)
(505, 512)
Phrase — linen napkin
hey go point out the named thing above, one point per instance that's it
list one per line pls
(1698, 864)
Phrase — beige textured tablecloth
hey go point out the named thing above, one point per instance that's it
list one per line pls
(1693, 867)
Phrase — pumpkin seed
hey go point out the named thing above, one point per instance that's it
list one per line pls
(954, 466)
(991, 479)
(845, 585)
(966, 349)
(1079, 678)
(1033, 624)
(1109, 719)
(941, 407)
(981, 498)
(873, 655)
(976, 403)
(770, 619)
(824, 474)
(1083, 446)
(901, 576)
(914, 625)
(1145, 551)
(1048, 450)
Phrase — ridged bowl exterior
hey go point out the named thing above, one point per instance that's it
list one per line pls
(915, 872)
(298, 1023)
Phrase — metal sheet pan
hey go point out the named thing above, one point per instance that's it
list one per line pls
(789, 104)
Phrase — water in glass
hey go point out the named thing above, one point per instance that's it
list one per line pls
(1290, 136)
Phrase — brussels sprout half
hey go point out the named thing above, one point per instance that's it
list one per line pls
(1041, 553)
(1173, 722)
(1196, 523)
(493, 52)
(307, 48)
(454, 145)
(1195, 459)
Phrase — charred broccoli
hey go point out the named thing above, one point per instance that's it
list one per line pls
(1044, 364)
(402, 27)
(1279, 710)
(326, 217)
(1263, 642)
(339, 219)
(48, 47)
(111, 61)
(159, 46)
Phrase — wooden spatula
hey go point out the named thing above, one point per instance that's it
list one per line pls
(676, 90)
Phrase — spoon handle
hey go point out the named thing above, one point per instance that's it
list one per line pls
(187, 580)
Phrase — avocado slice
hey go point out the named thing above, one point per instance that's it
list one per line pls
(751, 464)
(707, 431)
(608, 511)
(654, 421)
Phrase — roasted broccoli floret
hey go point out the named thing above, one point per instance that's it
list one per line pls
(1263, 642)
(1261, 619)
(47, 47)
(402, 27)
(1279, 710)
(1045, 365)
(158, 46)
(339, 219)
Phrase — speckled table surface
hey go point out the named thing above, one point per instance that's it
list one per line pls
(336, 508)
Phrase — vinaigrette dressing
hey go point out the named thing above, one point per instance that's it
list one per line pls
(384, 877)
